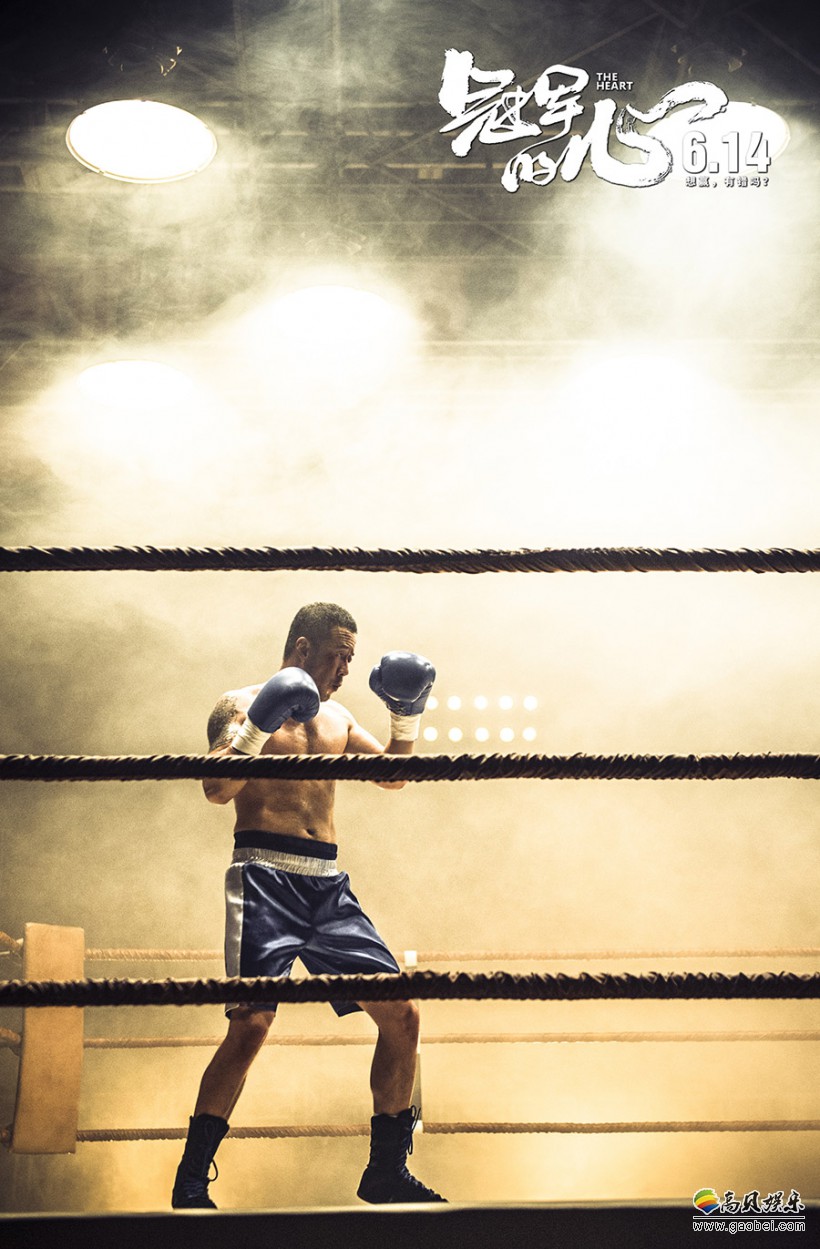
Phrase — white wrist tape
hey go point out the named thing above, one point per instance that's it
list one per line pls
(249, 740)
(404, 728)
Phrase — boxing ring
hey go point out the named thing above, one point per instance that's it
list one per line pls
(51, 985)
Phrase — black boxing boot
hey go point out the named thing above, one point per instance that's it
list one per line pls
(386, 1178)
(191, 1183)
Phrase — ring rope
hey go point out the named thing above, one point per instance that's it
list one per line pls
(149, 955)
(12, 1040)
(155, 956)
(337, 559)
(465, 1038)
(571, 956)
(410, 767)
(468, 956)
(425, 985)
(288, 1131)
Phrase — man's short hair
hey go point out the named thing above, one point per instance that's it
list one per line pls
(315, 622)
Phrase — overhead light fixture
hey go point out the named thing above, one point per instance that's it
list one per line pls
(140, 53)
(141, 141)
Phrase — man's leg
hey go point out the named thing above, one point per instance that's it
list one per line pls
(386, 1178)
(225, 1074)
(344, 941)
(219, 1091)
(394, 1061)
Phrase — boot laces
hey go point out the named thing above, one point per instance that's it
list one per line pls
(415, 1115)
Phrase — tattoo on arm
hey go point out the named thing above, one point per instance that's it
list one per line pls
(223, 725)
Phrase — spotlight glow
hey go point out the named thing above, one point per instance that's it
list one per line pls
(529, 735)
(331, 322)
(326, 345)
(530, 703)
(454, 703)
(141, 141)
(138, 416)
(455, 735)
(432, 703)
(505, 702)
(430, 735)
(480, 703)
(135, 385)
(641, 459)
(482, 735)
(506, 735)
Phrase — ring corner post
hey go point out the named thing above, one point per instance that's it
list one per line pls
(46, 1113)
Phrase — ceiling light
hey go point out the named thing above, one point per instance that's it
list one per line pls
(141, 141)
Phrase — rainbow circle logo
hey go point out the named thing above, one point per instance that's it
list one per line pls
(706, 1200)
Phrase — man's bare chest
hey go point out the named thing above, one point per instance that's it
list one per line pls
(326, 734)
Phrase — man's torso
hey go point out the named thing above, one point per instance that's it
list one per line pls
(297, 808)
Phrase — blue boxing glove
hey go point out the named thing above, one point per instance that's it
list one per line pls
(403, 681)
(290, 694)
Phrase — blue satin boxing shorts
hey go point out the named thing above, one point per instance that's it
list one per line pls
(285, 898)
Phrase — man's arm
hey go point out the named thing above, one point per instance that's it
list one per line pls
(360, 742)
(402, 680)
(223, 725)
(243, 720)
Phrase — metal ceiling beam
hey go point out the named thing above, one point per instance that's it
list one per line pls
(781, 43)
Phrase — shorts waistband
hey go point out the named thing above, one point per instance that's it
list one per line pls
(285, 853)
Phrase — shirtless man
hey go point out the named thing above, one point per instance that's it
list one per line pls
(285, 896)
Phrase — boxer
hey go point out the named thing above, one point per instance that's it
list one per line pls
(286, 897)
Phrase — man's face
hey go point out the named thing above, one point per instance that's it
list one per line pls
(328, 661)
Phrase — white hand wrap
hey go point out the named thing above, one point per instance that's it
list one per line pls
(404, 728)
(250, 739)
